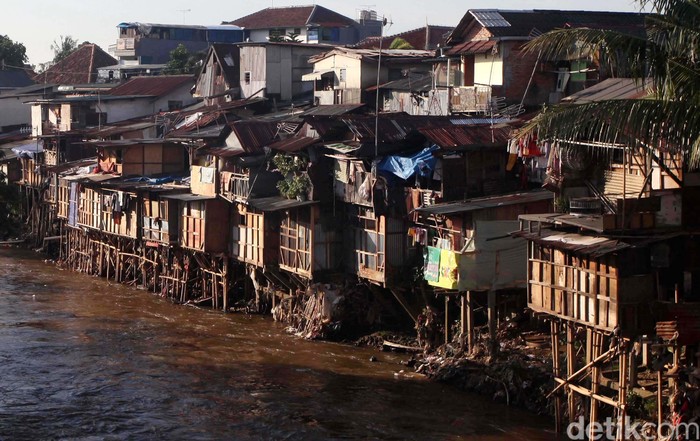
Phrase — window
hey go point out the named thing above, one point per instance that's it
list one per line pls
(297, 31)
(342, 75)
(174, 105)
(330, 34)
(275, 34)
(246, 77)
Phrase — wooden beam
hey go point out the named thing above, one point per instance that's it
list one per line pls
(587, 393)
(576, 374)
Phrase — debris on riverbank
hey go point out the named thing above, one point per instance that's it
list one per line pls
(327, 311)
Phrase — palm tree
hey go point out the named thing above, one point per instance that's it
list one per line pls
(666, 60)
(400, 43)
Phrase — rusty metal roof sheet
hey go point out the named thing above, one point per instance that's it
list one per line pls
(294, 143)
(152, 85)
(254, 135)
(610, 89)
(448, 208)
(594, 246)
(455, 137)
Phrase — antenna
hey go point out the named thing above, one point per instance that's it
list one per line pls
(184, 11)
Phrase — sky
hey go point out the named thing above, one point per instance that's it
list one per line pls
(38, 23)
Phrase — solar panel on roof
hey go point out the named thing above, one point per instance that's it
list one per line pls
(490, 19)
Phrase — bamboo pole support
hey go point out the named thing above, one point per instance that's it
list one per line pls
(557, 373)
(570, 369)
(595, 344)
(447, 319)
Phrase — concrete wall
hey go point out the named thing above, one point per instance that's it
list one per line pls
(13, 111)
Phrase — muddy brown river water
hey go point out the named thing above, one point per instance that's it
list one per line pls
(85, 359)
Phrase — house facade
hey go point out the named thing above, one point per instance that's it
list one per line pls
(151, 43)
(275, 70)
(307, 24)
(343, 75)
(487, 58)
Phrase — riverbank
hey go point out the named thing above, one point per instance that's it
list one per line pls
(518, 374)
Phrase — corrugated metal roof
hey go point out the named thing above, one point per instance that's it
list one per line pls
(152, 85)
(414, 82)
(277, 203)
(72, 164)
(486, 203)
(594, 246)
(294, 143)
(254, 135)
(121, 128)
(188, 197)
(332, 109)
(457, 137)
(373, 54)
(610, 89)
(588, 222)
(126, 143)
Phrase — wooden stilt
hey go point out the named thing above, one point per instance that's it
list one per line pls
(557, 374)
(622, 394)
(470, 321)
(447, 319)
(570, 369)
(492, 320)
(596, 348)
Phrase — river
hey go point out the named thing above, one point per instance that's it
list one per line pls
(85, 359)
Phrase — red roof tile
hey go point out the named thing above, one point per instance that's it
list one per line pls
(80, 67)
(152, 85)
(292, 16)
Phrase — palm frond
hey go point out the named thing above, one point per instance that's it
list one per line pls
(668, 125)
(626, 52)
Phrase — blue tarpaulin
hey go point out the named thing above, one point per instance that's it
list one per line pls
(404, 167)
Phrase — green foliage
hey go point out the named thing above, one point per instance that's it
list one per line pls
(294, 186)
(400, 43)
(296, 182)
(286, 164)
(182, 61)
(63, 47)
(293, 37)
(665, 61)
(10, 215)
(11, 53)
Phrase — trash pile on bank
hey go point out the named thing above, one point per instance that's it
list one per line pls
(327, 311)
